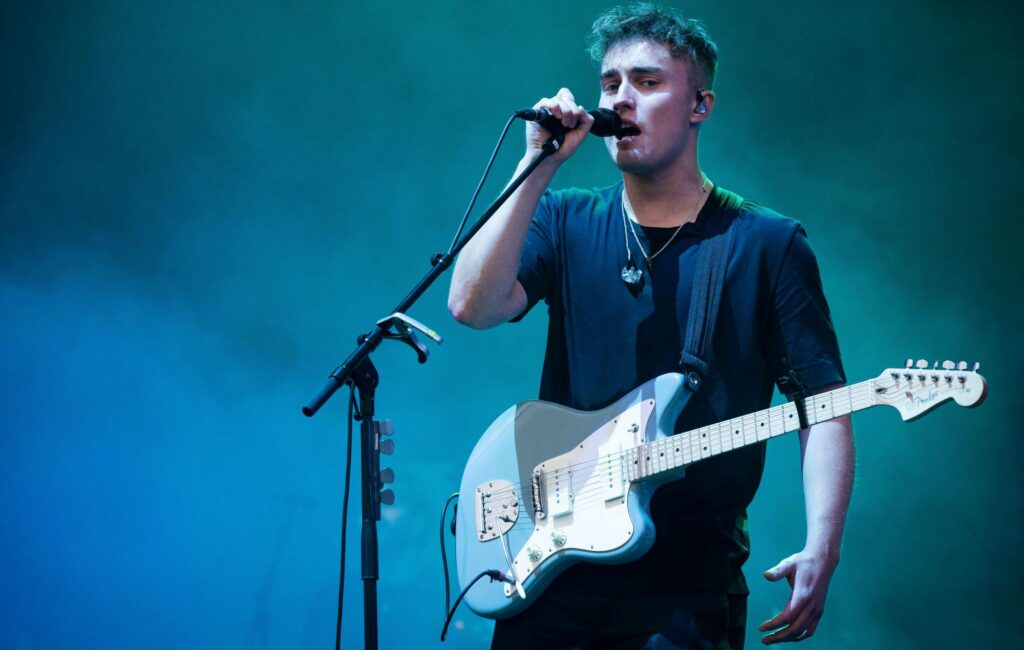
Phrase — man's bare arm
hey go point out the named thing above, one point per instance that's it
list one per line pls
(827, 462)
(484, 290)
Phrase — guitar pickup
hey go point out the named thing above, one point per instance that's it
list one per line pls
(611, 470)
(556, 481)
(497, 508)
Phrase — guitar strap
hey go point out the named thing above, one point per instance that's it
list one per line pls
(708, 283)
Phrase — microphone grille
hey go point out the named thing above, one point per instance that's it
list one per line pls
(606, 122)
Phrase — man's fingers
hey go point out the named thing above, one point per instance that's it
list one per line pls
(789, 614)
(566, 95)
(798, 630)
(569, 114)
(814, 624)
(784, 568)
(802, 626)
(779, 620)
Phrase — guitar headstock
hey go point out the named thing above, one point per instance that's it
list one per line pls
(916, 389)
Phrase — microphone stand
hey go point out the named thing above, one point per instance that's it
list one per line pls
(358, 370)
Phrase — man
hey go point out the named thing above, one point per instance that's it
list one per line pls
(615, 266)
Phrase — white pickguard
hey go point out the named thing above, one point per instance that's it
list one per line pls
(585, 494)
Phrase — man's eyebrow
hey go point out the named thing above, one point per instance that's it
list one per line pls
(607, 74)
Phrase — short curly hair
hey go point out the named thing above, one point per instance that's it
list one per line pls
(686, 38)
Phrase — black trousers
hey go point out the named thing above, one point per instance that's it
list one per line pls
(685, 621)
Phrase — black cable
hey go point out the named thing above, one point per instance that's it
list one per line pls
(444, 556)
(344, 515)
(480, 185)
(493, 574)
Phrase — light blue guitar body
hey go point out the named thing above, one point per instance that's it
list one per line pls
(548, 486)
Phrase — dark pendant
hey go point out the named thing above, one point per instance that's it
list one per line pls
(631, 275)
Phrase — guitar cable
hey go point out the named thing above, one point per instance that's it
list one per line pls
(493, 574)
(353, 410)
(480, 185)
(444, 556)
(344, 515)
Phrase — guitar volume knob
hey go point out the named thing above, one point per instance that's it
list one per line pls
(558, 537)
(534, 554)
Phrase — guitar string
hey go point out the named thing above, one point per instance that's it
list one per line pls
(856, 393)
(691, 439)
(690, 442)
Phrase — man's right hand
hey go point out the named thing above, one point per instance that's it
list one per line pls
(485, 290)
(576, 120)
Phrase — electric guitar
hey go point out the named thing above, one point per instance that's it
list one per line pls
(549, 486)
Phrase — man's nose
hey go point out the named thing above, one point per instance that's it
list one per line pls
(625, 99)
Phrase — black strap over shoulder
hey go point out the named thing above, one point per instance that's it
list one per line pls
(708, 283)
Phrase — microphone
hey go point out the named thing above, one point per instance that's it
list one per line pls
(606, 122)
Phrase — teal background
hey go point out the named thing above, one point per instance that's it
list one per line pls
(203, 204)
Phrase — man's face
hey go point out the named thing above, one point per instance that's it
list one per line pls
(652, 91)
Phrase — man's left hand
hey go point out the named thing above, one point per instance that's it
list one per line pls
(808, 573)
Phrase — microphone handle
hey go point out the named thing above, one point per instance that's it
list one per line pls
(606, 122)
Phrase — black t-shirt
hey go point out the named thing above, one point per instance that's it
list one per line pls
(605, 338)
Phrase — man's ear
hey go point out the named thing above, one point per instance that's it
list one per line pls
(703, 104)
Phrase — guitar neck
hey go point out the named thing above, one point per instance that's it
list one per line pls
(691, 446)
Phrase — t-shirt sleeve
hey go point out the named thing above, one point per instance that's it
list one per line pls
(803, 338)
(537, 263)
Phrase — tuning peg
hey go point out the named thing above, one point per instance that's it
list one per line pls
(909, 364)
(387, 497)
(948, 365)
(977, 366)
(385, 427)
(962, 365)
(922, 364)
(387, 446)
(387, 475)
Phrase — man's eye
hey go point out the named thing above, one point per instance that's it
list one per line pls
(648, 83)
(610, 88)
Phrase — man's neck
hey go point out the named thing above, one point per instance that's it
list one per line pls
(666, 200)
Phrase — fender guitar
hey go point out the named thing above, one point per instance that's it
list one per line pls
(548, 486)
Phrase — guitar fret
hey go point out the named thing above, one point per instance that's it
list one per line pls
(790, 416)
(688, 447)
(682, 449)
(726, 440)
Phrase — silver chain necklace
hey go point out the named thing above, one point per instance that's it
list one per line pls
(632, 275)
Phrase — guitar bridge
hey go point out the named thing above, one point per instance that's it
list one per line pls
(497, 509)
(536, 483)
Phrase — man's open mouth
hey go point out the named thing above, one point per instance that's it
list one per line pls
(626, 131)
